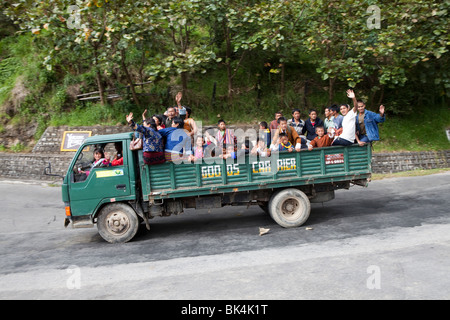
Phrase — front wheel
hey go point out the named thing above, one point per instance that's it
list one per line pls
(117, 223)
(289, 208)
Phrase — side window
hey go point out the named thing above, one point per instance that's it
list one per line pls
(95, 157)
(115, 150)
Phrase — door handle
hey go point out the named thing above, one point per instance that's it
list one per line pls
(121, 186)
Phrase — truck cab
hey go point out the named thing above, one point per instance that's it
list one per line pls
(86, 190)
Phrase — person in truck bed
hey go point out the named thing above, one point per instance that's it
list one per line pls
(347, 137)
(178, 145)
(293, 137)
(322, 139)
(153, 150)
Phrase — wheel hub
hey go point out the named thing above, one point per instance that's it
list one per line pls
(290, 207)
(118, 222)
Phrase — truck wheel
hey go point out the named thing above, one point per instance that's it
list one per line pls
(289, 208)
(117, 223)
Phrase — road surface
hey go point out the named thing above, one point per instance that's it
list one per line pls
(388, 241)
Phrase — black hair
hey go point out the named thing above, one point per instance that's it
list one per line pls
(320, 127)
(159, 117)
(312, 110)
(179, 121)
(188, 110)
(99, 150)
(279, 112)
(263, 124)
(361, 102)
(281, 119)
(295, 111)
(151, 122)
(118, 146)
(220, 121)
(283, 134)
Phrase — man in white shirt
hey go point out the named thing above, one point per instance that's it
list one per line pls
(347, 137)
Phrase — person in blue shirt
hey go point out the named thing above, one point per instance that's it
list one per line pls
(153, 142)
(367, 124)
(178, 146)
(338, 118)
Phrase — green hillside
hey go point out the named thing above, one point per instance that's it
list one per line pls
(236, 60)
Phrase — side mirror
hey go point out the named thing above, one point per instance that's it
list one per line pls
(48, 172)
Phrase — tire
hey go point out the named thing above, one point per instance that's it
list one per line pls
(117, 223)
(289, 208)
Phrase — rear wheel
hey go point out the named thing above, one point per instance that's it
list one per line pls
(289, 208)
(117, 223)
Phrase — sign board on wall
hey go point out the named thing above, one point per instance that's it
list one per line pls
(72, 140)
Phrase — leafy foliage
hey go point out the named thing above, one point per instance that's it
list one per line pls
(263, 55)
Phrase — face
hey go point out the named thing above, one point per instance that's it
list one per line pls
(97, 156)
(344, 110)
(296, 115)
(313, 115)
(327, 112)
(156, 121)
(222, 126)
(277, 115)
(361, 107)
(284, 140)
(171, 112)
(320, 132)
(199, 141)
(283, 125)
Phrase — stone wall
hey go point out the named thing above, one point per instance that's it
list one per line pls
(28, 166)
(405, 161)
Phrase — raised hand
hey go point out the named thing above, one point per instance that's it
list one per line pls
(144, 114)
(178, 98)
(129, 117)
(350, 94)
(382, 110)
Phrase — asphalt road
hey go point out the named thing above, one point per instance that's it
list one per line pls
(388, 241)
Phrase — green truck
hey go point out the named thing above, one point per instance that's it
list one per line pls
(119, 198)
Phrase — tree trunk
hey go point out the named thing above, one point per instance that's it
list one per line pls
(184, 85)
(129, 79)
(101, 89)
(228, 60)
(331, 90)
(282, 85)
(99, 80)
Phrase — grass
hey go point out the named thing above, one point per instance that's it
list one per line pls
(421, 131)
(412, 173)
